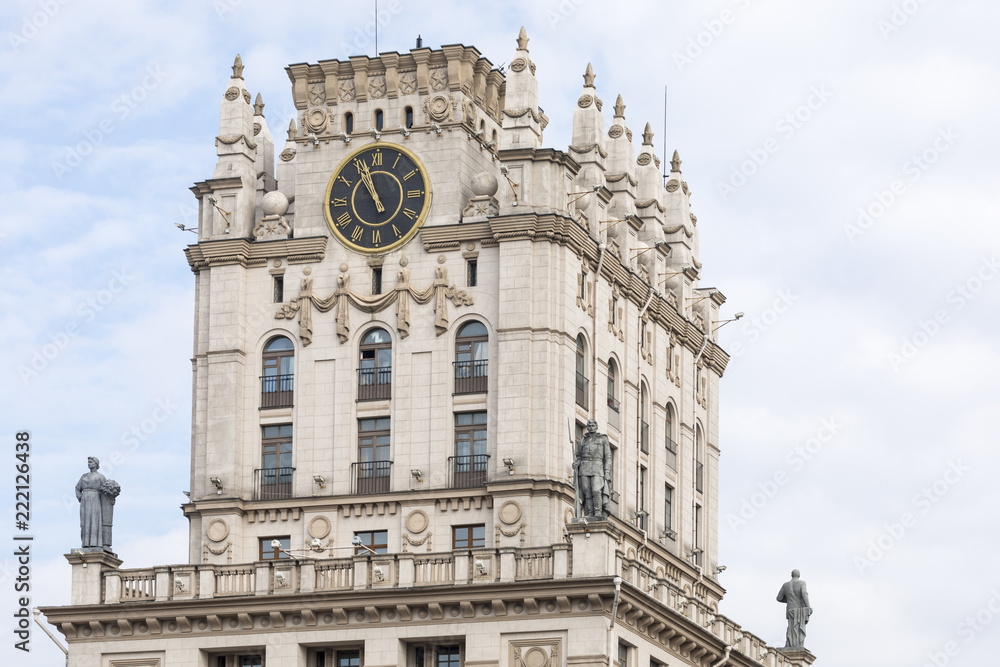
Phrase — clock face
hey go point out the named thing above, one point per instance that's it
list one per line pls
(377, 198)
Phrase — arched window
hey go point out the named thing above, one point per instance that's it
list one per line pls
(277, 381)
(699, 467)
(349, 123)
(472, 359)
(643, 418)
(379, 119)
(375, 368)
(614, 405)
(581, 372)
(408, 117)
(668, 429)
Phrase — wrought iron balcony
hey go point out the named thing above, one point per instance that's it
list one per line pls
(369, 477)
(276, 391)
(272, 483)
(581, 390)
(374, 384)
(468, 472)
(472, 377)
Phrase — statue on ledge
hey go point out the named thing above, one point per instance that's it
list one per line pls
(593, 474)
(797, 610)
(96, 494)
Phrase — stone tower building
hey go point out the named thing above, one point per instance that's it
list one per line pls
(401, 330)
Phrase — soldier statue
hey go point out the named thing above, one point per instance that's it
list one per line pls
(593, 473)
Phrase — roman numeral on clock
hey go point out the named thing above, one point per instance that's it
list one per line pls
(376, 237)
(413, 194)
(344, 219)
(412, 173)
(412, 215)
(396, 231)
(340, 201)
(356, 234)
(377, 159)
(346, 182)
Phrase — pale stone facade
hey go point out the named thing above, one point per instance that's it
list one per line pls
(582, 268)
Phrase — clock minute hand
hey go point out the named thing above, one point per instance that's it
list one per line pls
(370, 184)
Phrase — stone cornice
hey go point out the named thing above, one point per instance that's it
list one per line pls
(252, 253)
(540, 155)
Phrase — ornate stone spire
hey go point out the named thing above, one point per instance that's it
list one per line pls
(258, 106)
(589, 76)
(522, 40)
(620, 108)
(675, 163)
(292, 130)
(647, 135)
(238, 67)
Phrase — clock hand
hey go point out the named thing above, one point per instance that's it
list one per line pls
(370, 184)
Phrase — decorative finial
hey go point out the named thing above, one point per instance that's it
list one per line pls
(258, 106)
(588, 77)
(238, 67)
(522, 40)
(675, 163)
(292, 130)
(647, 136)
(619, 108)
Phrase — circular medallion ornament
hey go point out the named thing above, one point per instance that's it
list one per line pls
(319, 527)
(256, 129)
(438, 108)
(377, 198)
(616, 131)
(316, 119)
(217, 530)
(585, 101)
(644, 159)
(672, 185)
(287, 155)
(232, 93)
(416, 521)
(536, 657)
(246, 96)
(510, 512)
(518, 64)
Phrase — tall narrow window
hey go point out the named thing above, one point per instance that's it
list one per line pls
(274, 478)
(668, 438)
(697, 550)
(643, 419)
(374, 465)
(279, 289)
(472, 273)
(276, 383)
(699, 468)
(668, 511)
(408, 117)
(614, 405)
(469, 463)
(472, 350)
(349, 123)
(622, 654)
(379, 119)
(640, 501)
(581, 372)
(375, 371)
(377, 280)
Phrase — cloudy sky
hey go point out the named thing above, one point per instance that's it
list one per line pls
(841, 157)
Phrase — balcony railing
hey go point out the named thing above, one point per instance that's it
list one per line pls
(699, 477)
(468, 472)
(614, 412)
(276, 391)
(374, 384)
(644, 437)
(581, 390)
(671, 453)
(272, 483)
(472, 377)
(370, 477)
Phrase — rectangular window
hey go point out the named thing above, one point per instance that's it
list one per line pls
(448, 656)
(622, 654)
(470, 459)
(640, 501)
(233, 660)
(269, 552)
(376, 540)
(348, 658)
(668, 508)
(274, 479)
(377, 280)
(472, 273)
(468, 537)
(697, 535)
(279, 289)
(373, 468)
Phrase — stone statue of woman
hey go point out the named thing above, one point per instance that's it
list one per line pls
(88, 492)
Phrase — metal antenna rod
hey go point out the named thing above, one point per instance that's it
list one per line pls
(664, 133)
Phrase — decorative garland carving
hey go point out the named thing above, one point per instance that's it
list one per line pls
(416, 543)
(229, 139)
(614, 178)
(646, 203)
(587, 148)
(218, 552)
(439, 291)
(675, 229)
(511, 533)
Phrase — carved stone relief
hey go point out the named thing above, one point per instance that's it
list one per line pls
(407, 83)
(347, 91)
(439, 78)
(376, 87)
(439, 108)
(317, 94)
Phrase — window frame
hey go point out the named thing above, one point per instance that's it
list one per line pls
(264, 547)
(470, 541)
(371, 543)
